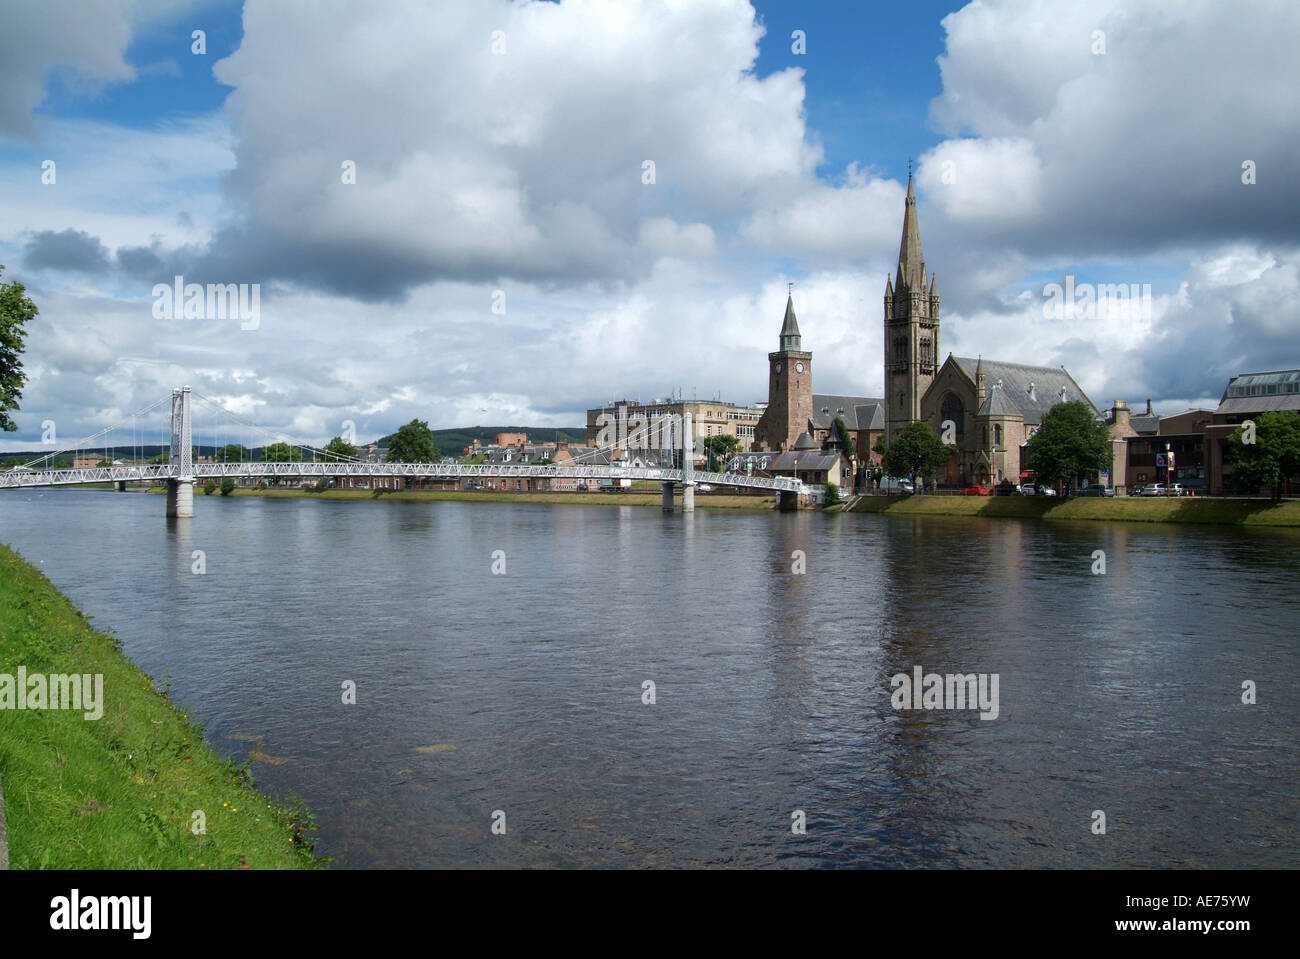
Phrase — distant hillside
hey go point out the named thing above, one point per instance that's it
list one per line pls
(452, 441)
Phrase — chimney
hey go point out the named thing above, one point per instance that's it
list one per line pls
(1120, 414)
(1149, 413)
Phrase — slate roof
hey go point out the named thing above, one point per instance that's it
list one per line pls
(1262, 392)
(848, 407)
(807, 460)
(1145, 425)
(1047, 382)
(997, 404)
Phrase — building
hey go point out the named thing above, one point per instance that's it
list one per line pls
(994, 406)
(794, 414)
(808, 461)
(1246, 396)
(1183, 435)
(911, 341)
(629, 425)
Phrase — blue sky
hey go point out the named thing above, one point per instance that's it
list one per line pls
(519, 172)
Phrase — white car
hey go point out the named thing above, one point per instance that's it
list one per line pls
(705, 488)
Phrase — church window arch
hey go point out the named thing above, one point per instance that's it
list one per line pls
(952, 409)
(997, 434)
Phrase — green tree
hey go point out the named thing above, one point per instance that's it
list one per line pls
(16, 308)
(841, 432)
(1070, 445)
(231, 453)
(916, 450)
(209, 487)
(413, 443)
(282, 453)
(1274, 456)
(341, 449)
(227, 485)
(11, 462)
(720, 449)
(162, 459)
(832, 495)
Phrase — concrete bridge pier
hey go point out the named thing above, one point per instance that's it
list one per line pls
(121, 486)
(180, 498)
(786, 501)
(668, 497)
(688, 497)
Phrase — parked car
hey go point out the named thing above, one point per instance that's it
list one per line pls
(1097, 489)
(1028, 489)
(582, 487)
(1150, 489)
(705, 488)
(976, 490)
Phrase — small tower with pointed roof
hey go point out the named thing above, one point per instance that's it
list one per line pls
(789, 388)
(911, 326)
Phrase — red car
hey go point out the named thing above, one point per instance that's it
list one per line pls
(976, 490)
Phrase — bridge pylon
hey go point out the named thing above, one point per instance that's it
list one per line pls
(180, 488)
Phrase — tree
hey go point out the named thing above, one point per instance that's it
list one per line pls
(1274, 455)
(227, 485)
(209, 487)
(1070, 444)
(341, 449)
(230, 453)
(16, 308)
(162, 459)
(11, 462)
(841, 432)
(283, 453)
(832, 495)
(720, 448)
(413, 443)
(916, 450)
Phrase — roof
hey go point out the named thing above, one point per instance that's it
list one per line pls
(1018, 379)
(805, 442)
(1262, 392)
(1144, 423)
(998, 404)
(790, 339)
(847, 407)
(911, 261)
(806, 459)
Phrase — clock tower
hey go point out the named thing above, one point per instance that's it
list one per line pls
(789, 389)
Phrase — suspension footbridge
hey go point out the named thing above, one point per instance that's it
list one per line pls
(180, 472)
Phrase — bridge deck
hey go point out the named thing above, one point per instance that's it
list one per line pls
(21, 478)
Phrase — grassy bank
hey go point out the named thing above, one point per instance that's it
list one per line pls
(702, 500)
(118, 792)
(1138, 509)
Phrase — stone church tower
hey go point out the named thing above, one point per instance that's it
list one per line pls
(911, 327)
(789, 389)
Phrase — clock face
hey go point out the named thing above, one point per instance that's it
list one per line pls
(798, 367)
(778, 367)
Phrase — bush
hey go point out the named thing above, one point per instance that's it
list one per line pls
(322, 484)
(227, 486)
(833, 495)
(209, 487)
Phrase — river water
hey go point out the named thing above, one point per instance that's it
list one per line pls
(521, 692)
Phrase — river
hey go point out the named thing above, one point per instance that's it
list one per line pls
(520, 692)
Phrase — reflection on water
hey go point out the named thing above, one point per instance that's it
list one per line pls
(522, 692)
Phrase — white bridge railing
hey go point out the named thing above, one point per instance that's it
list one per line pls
(24, 478)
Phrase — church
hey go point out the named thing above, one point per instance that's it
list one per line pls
(994, 407)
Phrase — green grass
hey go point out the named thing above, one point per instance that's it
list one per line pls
(1136, 509)
(702, 500)
(119, 792)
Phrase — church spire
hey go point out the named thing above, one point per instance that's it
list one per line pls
(911, 261)
(790, 338)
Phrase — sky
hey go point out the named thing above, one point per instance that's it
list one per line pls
(501, 256)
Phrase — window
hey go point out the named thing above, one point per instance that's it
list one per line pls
(952, 409)
(997, 435)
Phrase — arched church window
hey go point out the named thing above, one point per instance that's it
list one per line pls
(952, 409)
(997, 434)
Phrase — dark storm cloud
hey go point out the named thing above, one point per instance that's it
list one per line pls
(73, 250)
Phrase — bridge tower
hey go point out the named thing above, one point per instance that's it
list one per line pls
(180, 488)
